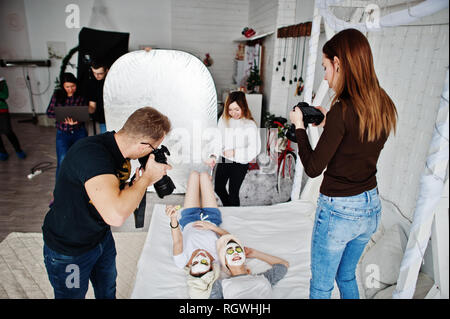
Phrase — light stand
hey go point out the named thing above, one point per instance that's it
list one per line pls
(33, 119)
(22, 63)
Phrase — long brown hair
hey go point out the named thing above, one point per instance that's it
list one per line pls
(358, 86)
(239, 98)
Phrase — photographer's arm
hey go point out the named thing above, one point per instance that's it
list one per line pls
(315, 161)
(115, 205)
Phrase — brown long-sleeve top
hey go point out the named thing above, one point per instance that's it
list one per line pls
(351, 165)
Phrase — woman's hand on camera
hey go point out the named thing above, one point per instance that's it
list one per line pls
(324, 112)
(296, 117)
(154, 170)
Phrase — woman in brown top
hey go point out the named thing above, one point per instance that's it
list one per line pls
(355, 129)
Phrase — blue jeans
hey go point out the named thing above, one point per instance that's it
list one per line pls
(70, 275)
(64, 140)
(189, 215)
(342, 228)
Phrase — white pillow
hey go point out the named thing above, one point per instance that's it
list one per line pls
(380, 266)
(423, 286)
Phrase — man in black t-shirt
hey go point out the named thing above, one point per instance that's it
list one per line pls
(91, 194)
(95, 94)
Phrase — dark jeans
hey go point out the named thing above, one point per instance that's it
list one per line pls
(235, 174)
(70, 275)
(64, 140)
(6, 128)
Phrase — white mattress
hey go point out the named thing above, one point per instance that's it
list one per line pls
(282, 230)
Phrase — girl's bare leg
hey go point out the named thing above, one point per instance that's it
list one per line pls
(192, 197)
(207, 191)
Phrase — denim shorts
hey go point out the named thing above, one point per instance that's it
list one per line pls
(210, 214)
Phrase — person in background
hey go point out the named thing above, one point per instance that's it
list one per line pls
(95, 94)
(240, 145)
(356, 128)
(69, 131)
(5, 125)
(242, 284)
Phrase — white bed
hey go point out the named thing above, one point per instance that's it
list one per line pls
(283, 230)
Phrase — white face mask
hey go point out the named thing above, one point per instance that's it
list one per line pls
(235, 255)
(201, 263)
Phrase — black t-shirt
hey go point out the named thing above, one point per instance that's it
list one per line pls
(73, 226)
(95, 94)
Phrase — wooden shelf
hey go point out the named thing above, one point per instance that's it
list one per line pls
(255, 37)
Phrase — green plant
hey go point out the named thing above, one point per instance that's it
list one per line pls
(65, 62)
(254, 79)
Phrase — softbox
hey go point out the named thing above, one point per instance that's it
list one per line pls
(101, 45)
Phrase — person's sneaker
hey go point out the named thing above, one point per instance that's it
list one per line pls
(21, 154)
(3, 156)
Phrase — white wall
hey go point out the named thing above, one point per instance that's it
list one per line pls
(210, 26)
(147, 21)
(262, 17)
(15, 44)
(279, 91)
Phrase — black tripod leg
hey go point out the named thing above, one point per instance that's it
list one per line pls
(139, 213)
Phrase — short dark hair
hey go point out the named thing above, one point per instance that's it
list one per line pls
(97, 64)
(147, 122)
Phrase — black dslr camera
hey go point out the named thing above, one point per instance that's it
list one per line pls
(163, 187)
(310, 115)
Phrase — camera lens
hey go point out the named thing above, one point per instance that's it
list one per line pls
(164, 186)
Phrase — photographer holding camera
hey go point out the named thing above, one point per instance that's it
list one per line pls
(357, 126)
(90, 195)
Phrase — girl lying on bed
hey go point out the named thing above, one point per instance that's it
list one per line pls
(241, 284)
(195, 234)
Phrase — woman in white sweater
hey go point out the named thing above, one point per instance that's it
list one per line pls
(240, 145)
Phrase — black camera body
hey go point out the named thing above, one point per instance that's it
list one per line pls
(163, 187)
(310, 115)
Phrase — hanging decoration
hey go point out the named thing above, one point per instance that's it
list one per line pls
(301, 82)
(292, 34)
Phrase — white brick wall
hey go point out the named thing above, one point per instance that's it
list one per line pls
(410, 63)
(263, 15)
(210, 26)
(262, 18)
(280, 92)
